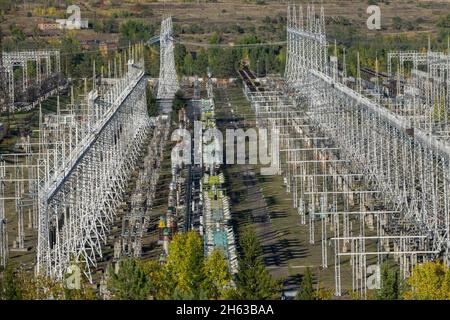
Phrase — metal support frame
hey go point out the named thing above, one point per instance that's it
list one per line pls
(21, 59)
(168, 82)
(384, 178)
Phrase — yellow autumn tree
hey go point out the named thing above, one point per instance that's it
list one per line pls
(185, 264)
(217, 276)
(161, 287)
(41, 287)
(429, 281)
(323, 293)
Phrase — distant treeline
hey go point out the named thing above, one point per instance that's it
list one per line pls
(223, 60)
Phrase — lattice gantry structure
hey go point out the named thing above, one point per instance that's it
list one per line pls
(368, 173)
(305, 35)
(168, 82)
(37, 66)
(77, 171)
(423, 90)
(86, 155)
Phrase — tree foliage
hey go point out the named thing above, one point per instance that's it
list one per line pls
(306, 291)
(18, 284)
(185, 262)
(151, 59)
(217, 277)
(185, 275)
(390, 284)
(10, 288)
(224, 61)
(179, 102)
(253, 280)
(130, 282)
(152, 107)
(429, 281)
(135, 30)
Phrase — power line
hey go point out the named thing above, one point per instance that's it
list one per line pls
(198, 44)
(231, 45)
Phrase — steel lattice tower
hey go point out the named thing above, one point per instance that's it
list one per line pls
(168, 82)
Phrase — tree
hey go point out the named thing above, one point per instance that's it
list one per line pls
(390, 284)
(188, 65)
(201, 63)
(130, 282)
(306, 291)
(10, 288)
(151, 61)
(17, 34)
(281, 60)
(224, 63)
(185, 265)
(6, 5)
(397, 22)
(179, 53)
(253, 280)
(217, 276)
(152, 108)
(161, 287)
(179, 102)
(429, 281)
(215, 38)
(71, 51)
(134, 30)
(25, 285)
(444, 22)
(444, 28)
(110, 26)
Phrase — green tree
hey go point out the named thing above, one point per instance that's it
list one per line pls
(253, 280)
(306, 291)
(151, 60)
(390, 284)
(134, 30)
(188, 65)
(10, 285)
(130, 282)
(71, 55)
(217, 276)
(110, 26)
(17, 34)
(397, 22)
(444, 28)
(97, 26)
(201, 63)
(179, 53)
(281, 61)
(215, 38)
(152, 108)
(444, 22)
(179, 102)
(185, 265)
(156, 272)
(224, 63)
